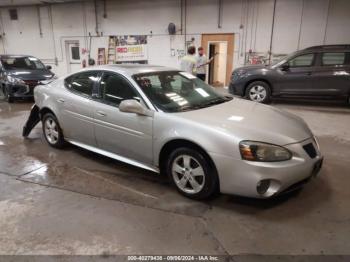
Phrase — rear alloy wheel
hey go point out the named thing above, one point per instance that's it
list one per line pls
(192, 174)
(258, 91)
(52, 131)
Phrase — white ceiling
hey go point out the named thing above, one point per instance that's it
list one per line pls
(31, 2)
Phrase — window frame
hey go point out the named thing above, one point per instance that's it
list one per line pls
(93, 93)
(306, 66)
(100, 99)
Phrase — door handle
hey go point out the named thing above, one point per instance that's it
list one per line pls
(101, 113)
(60, 100)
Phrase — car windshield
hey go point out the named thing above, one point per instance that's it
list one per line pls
(27, 63)
(173, 91)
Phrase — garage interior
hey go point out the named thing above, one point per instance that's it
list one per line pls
(75, 202)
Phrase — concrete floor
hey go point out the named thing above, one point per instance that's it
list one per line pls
(73, 201)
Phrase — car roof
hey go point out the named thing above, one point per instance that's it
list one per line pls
(14, 56)
(345, 48)
(132, 69)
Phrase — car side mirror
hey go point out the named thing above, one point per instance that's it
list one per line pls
(285, 67)
(134, 106)
(48, 67)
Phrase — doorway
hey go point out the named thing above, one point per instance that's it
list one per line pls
(219, 71)
(73, 56)
(217, 68)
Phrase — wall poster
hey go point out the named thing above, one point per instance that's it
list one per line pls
(131, 49)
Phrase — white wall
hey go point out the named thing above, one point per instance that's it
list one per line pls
(298, 24)
(314, 23)
(22, 36)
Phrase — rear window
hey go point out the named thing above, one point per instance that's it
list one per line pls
(337, 58)
(82, 83)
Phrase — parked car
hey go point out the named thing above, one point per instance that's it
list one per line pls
(319, 71)
(171, 122)
(20, 74)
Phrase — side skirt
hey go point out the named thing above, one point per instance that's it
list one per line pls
(115, 156)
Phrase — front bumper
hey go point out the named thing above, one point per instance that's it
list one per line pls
(22, 90)
(240, 177)
(236, 88)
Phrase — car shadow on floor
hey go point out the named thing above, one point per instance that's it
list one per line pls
(78, 170)
(82, 171)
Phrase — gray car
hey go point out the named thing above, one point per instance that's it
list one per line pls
(171, 122)
(19, 74)
(319, 71)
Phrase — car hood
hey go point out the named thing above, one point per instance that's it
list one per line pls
(246, 120)
(251, 67)
(37, 74)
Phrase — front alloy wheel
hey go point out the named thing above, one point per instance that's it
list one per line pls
(188, 174)
(191, 173)
(258, 91)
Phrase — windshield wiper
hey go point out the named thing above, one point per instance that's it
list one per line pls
(214, 102)
(210, 103)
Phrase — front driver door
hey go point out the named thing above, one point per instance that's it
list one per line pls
(125, 134)
(297, 79)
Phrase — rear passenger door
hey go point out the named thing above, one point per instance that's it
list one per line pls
(76, 107)
(332, 73)
(125, 134)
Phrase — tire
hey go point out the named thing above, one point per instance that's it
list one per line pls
(192, 174)
(7, 96)
(258, 91)
(52, 131)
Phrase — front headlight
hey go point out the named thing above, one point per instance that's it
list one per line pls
(14, 80)
(237, 74)
(263, 152)
(241, 72)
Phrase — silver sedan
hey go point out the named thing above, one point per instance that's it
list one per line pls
(171, 122)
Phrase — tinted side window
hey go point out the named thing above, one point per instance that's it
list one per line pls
(302, 60)
(115, 88)
(82, 83)
(333, 58)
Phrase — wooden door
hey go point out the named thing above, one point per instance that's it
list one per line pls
(229, 38)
